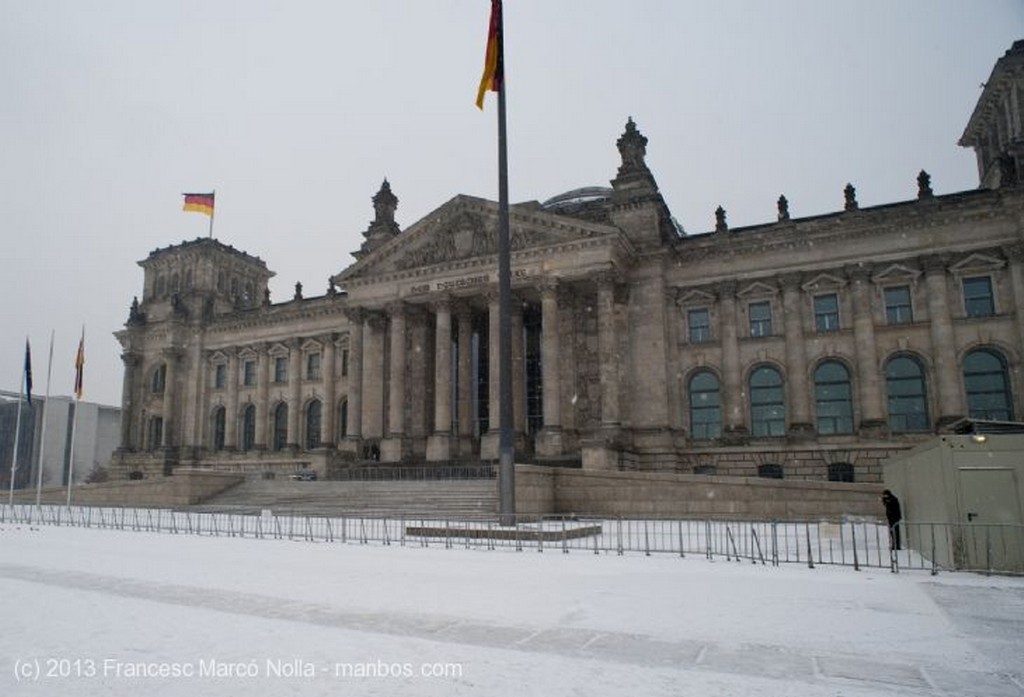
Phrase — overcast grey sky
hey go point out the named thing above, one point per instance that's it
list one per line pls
(295, 111)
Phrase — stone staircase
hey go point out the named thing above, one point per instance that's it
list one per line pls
(474, 498)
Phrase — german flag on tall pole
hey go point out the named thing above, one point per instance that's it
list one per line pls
(493, 80)
(201, 203)
(80, 367)
(494, 63)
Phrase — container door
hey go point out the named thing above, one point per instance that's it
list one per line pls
(993, 537)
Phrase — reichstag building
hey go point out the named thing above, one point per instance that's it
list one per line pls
(806, 348)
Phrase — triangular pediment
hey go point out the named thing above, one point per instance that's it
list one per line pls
(896, 273)
(685, 298)
(466, 228)
(976, 262)
(757, 289)
(248, 354)
(823, 281)
(218, 357)
(277, 350)
(312, 346)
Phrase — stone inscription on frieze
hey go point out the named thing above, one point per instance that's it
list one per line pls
(449, 285)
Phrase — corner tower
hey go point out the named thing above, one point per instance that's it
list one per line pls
(996, 128)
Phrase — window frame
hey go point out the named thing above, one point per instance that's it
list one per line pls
(922, 395)
(280, 370)
(709, 429)
(823, 318)
(893, 311)
(762, 425)
(698, 333)
(971, 300)
(760, 327)
(1006, 392)
(842, 424)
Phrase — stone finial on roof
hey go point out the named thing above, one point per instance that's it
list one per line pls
(332, 290)
(384, 205)
(266, 297)
(298, 290)
(633, 148)
(924, 185)
(720, 224)
(850, 194)
(783, 208)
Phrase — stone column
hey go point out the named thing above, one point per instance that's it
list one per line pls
(518, 373)
(549, 440)
(608, 351)
(465, 396)
(733, 417)
(489, 442)
(329, 428)
(128, 412)
(295, 385)
(354, 427)
(948, 396)
(392, 449)
(440, 441)
(264, 374)
(231, 408)
(869, 379)
(171, 357)
(800, 425)
(373, 375)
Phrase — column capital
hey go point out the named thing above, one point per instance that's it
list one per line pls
(130, 359)
(172, 353)
(726, 289)
(396, 308)
(442, 303)
(607, 277)
(858, 273)
(791, 281)
(934, 263)
(1014, 252)
(355, 315)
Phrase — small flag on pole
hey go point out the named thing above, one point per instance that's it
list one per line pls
(80, 367)
(494, 69)
(199, 203)
(28, 373)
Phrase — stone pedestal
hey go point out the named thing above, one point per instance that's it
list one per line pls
(439, 447)
(549, 442)
(394, 449)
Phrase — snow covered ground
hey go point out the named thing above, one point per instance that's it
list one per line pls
(107, 612)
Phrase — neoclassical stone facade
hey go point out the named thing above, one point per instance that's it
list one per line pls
(809, 348)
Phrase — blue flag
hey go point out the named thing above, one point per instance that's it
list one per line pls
(28, 373)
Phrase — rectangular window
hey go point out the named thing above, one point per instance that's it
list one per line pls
(761, 319)
(313, 366)
(826, 313)
(249, 373)
(220, 372)
(699, 323)
(344, 362)
(897, 305)
(978, 300)
(280, 369)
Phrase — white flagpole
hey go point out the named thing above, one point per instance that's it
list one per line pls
(74, 421)
(17, 434)
(42, 435)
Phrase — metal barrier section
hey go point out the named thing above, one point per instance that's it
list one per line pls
(854, 543)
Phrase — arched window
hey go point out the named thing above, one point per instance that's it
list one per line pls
(833, 398)
(840, 472)
(218, 428)
(249, 427)
(159, 379)
(987, 385)
(313, 411)
(342, 419)
(908, 405)
(705, 406)
(767, 403)
(280, 426)
(769, 471)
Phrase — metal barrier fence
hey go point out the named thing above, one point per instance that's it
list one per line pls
(854, 543)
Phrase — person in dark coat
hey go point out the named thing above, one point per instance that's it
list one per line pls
(893, 515)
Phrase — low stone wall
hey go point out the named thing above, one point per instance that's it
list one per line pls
(552, 490)
(185, 488)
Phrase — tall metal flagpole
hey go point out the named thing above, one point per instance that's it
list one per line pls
(75, 404)
(506, 441)
(42, 435)
(17, 434)
(213, 197)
